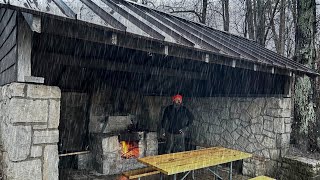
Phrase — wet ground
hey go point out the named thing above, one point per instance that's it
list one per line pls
(91, 175)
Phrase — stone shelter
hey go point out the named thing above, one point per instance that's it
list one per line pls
(90, 76)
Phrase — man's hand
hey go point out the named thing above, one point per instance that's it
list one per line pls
(164, 134)
(180, 131)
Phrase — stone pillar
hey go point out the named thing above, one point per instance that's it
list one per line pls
(29, 120)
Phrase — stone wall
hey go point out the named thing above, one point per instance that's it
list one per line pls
(297, 168)
(261, 126)
(29, 120)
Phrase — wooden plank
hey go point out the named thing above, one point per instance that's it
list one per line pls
(191, 160)
(9, 43)
(9, 14)
(2, 11)
(9, 60)
(24, 44)
(33, 79)
(117, 66)
(137, 173)
(8, 75)
(33, 21)
(74, 153)
(7, 31)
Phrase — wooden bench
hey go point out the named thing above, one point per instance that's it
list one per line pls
(262, 178)
(138, 173)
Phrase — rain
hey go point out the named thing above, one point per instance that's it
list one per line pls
(150, 89)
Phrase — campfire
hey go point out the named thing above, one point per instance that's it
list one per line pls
(130, 149)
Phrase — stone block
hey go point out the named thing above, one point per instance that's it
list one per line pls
(16, 141)
(225, 114)
(258, 120)
(279, 125)
(12, 90)
(269, 134)
(36, 151)
(26, 110)
(269, 142)
(274, 154)
(110, 144)
(26, 170)
(45, 137)
(43, 92)
(286, 113)
(151, 136)
(50, 163)
(54, 114)
(288, 120)
(254, 110)
(274, 103)
(85, 161)
(274, 112)
(254, 166)
(257, 128)
(268, 125)
(39, 126)
(287, 128)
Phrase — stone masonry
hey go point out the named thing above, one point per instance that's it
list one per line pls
(298, 168)
(106, 152)
(29, 120)
(258, 125)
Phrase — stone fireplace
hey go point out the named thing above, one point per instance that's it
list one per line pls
(117, 149)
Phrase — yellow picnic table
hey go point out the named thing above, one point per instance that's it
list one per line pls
(174, 163)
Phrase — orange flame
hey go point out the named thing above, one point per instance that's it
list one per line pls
(130, 149)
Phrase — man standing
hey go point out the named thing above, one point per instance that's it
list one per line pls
(175, 123)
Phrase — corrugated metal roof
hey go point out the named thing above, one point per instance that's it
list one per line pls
(141, 20)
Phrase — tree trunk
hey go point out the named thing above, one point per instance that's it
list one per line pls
(249, 18)
(282, 27)
(305, 117)
(204, 11)
(225, 14)
(261, 22)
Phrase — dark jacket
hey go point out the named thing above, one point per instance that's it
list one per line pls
(175, 119)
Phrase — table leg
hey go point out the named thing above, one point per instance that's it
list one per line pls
(175, 177)
(193, 174)
(230, 172)
(161, 176)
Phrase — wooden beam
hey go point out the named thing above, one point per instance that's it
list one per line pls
(67, 60)
(24, 42)
(33, 21)
(288, 86)
(131, 41)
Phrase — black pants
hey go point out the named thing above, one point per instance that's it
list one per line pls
(175, 143)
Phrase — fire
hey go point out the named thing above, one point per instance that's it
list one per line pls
(130, 149)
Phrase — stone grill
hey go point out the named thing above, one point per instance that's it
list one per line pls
(107, 152)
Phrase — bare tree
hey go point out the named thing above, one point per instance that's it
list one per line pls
(261, 23)
(225, 14)
(249, 19)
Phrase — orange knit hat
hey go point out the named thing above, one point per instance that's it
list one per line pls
(177, 96)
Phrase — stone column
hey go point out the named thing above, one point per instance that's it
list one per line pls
(29, 120)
